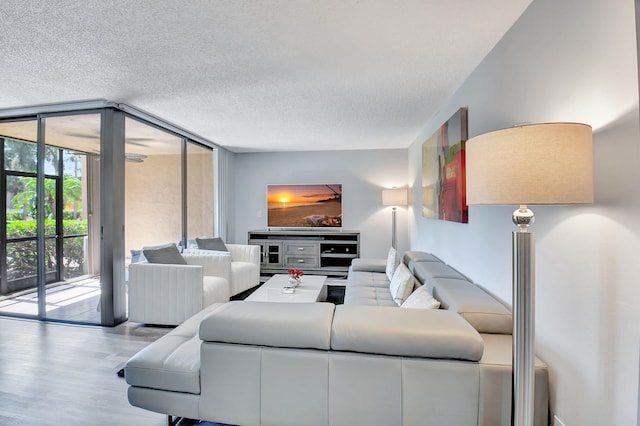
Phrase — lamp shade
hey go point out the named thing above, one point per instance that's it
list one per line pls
(394, 197)
(534, 164)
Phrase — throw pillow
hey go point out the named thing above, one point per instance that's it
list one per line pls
(421, 299)
(211, 244)
(167, 254)
(392, 262)
(137, 256)
(401, 284)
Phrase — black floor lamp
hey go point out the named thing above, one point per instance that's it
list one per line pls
(534, 164)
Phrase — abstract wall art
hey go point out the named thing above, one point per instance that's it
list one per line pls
(443, 171)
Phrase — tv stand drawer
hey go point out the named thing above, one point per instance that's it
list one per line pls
(300, 248)
(301, 262)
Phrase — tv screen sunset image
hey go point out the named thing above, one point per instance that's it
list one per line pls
(302, 206)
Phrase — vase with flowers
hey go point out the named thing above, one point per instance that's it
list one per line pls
(295, 277)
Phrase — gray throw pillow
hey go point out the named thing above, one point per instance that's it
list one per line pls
(137, 256)
(167, 254)
(211, 244)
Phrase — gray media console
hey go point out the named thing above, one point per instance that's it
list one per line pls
(321, 252)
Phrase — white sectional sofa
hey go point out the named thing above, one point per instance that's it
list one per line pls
(252, 363)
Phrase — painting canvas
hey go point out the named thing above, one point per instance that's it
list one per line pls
(443, 171)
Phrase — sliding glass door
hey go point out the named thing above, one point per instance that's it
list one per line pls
(72, 156)
(57, 183)
(18, 254)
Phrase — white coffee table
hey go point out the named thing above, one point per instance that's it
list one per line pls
(311, 289)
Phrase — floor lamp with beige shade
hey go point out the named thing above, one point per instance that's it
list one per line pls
(533, 164)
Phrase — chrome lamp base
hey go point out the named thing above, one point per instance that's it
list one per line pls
(523, 319)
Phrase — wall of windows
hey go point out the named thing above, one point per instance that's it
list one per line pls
(70, 182)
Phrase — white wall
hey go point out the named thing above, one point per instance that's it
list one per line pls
(363, 175)
(569, 60)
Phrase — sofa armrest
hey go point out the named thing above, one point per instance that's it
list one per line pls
(244, 253)
(164, 294)
(369, 265)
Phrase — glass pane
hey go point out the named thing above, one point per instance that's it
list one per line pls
(20, 156)
(50, 202)
(74, 191)
(51, 161)
(199, 191)
(75, 256)
(75, 222)
(79, 132)
(26, 130)
(21, 207)
(21, 267)
(50, 259)
(153, 188)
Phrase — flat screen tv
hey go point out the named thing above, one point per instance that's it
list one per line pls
(304, 206)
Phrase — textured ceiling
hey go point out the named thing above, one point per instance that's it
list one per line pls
(254, 75)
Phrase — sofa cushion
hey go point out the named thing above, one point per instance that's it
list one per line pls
(404, 332)
(401, 284)
(425, 272)
(369, 296)
(166, 254)
(392, 262)
(410, 257)
(368, 288)
(421, 299)
(211, 244)
(367, 279)
(284, 325)
(485, 313)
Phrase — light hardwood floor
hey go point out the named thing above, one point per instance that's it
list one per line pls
(56, 374)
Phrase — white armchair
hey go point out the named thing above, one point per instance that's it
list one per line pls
(245, 265)
(168, 294)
